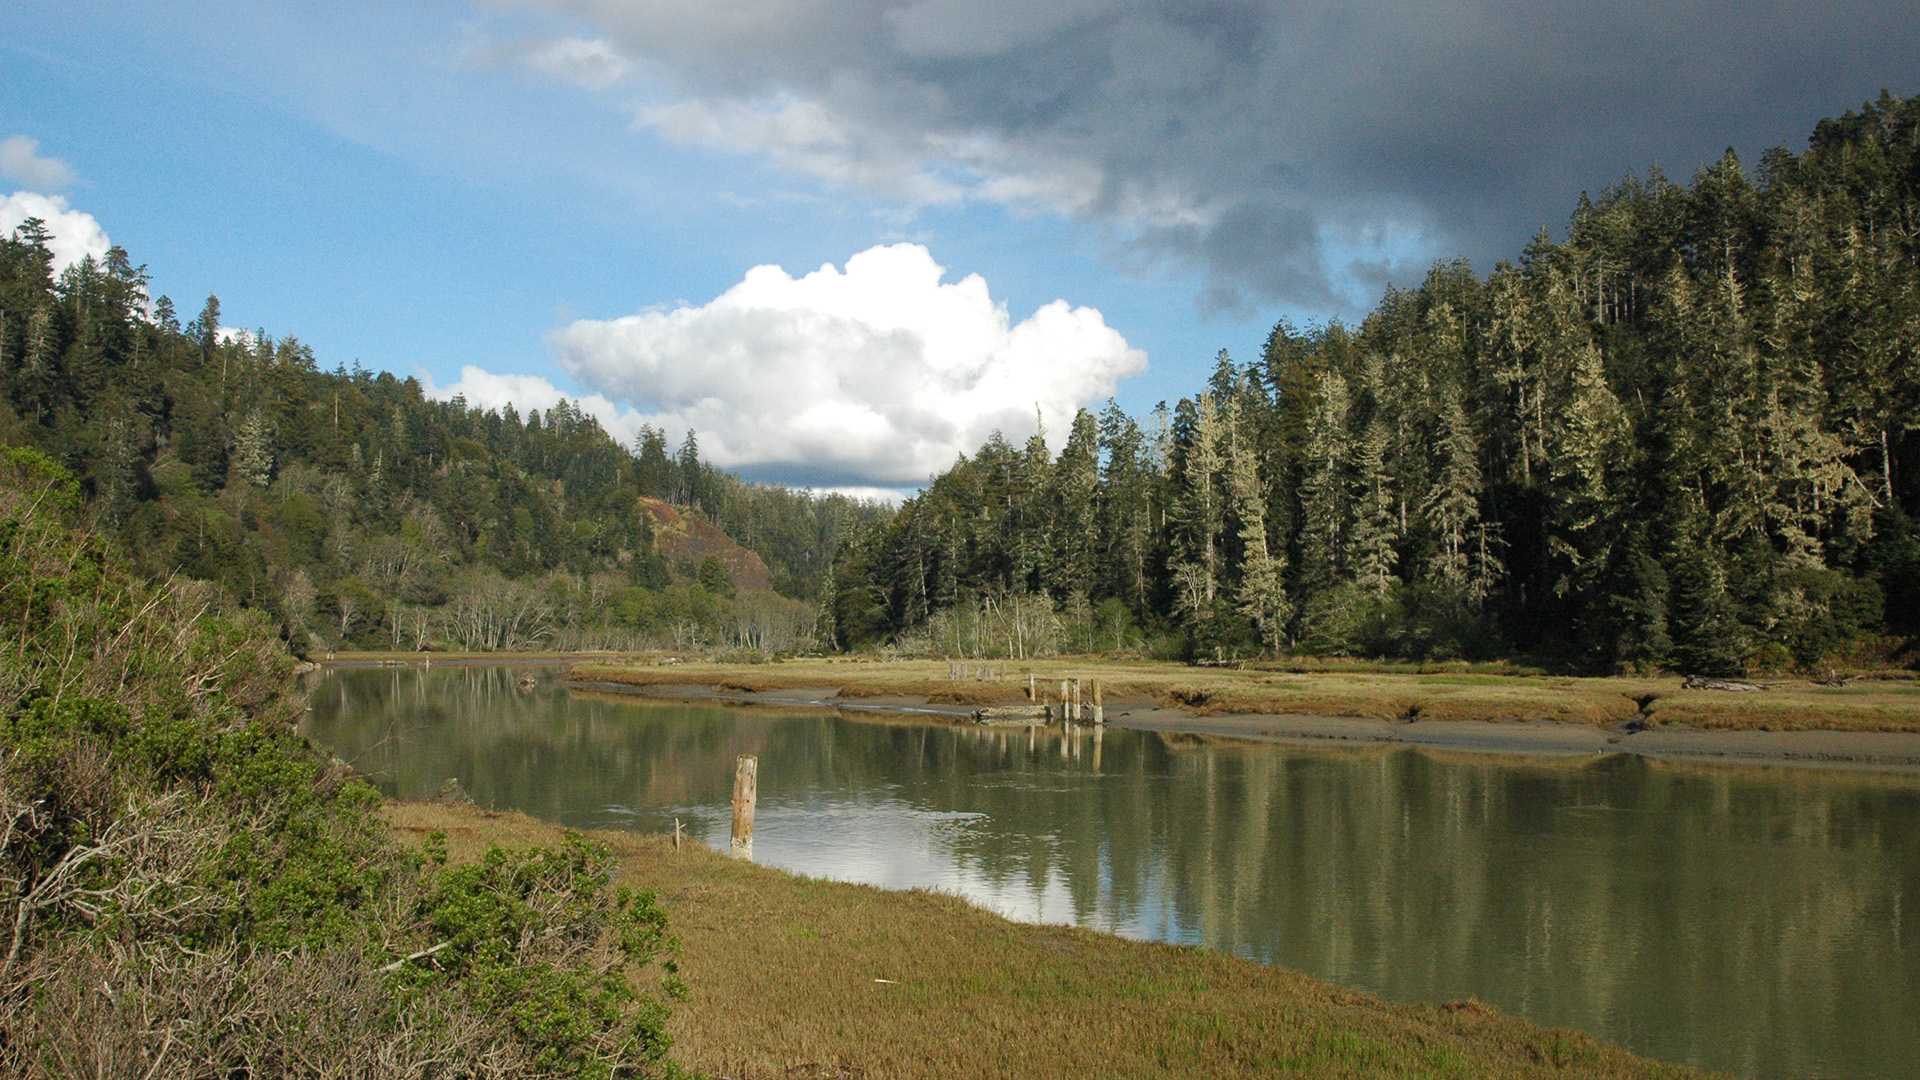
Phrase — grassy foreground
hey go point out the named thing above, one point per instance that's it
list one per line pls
(1372, 691)
(787, 981)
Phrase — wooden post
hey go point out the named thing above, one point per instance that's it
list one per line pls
(1033, 693)
(1099, 708)
(1064, 713)
(745, 774)
(676, 834)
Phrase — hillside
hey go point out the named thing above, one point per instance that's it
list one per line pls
(359, 513)
(688, 541)
(1682, 437)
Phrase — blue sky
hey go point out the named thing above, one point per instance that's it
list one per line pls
(428, 187)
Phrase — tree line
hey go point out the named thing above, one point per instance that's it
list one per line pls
(1686, 435)
(362, 513)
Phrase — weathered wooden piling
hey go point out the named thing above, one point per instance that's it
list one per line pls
(1099, 707)
(745, 780)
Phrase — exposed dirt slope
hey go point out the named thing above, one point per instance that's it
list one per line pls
(682, 537)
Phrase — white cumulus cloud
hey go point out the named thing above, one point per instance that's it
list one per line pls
(877, 375)
(20, 160)
(880, 373)
(72, 235)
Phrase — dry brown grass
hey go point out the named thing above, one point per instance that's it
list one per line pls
(787, 976)
(1789, 704)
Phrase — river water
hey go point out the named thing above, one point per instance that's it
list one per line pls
(1758, 920)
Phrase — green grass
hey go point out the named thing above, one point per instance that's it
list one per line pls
(973, 995)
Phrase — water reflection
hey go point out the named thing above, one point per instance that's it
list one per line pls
(1741, 919)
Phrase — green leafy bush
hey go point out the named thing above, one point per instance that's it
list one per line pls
(196, 891)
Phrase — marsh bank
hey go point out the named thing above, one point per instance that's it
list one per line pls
(1743, 917)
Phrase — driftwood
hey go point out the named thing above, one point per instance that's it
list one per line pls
(1701, 682)
(412, 958)
(1236, 665)
(1013, 716)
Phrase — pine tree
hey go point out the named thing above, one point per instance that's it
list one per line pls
(1262, 595)
(253, 451)
(1452, 508)
(1199, 514)
(1126, 508)
(1076, 488)
(1370, 541)
(1323, 506)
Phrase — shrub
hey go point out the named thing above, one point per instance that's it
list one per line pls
(193, 890)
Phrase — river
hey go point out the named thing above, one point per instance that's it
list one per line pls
(1750, 919)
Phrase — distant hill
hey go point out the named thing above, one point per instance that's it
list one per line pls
(359, 513)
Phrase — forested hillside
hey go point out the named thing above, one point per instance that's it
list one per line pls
(1687, 436)
(357, 511)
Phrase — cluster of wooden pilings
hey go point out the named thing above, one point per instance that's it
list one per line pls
(1079, 701)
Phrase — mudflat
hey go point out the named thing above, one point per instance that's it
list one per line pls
(1870, 749)
(1869, 722)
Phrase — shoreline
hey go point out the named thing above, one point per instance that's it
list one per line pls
(916, 984)
(1886, 751)
(1874, 726)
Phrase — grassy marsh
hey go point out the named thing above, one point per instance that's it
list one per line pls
(1385, 692)
(801, 978)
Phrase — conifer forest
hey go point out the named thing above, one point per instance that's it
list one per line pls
(361, 514)
(1686, 436)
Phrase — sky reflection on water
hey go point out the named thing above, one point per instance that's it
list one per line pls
(1747, 919)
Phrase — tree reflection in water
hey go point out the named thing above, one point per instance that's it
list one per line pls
(1747, 919)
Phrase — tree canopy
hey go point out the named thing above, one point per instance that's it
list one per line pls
(1686, 435)
(357, 510)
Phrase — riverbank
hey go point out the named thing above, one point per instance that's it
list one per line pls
(810, 980)
(1863, 724)
(416, 658)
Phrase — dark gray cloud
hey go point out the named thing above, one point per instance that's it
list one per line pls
(1283, 147)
